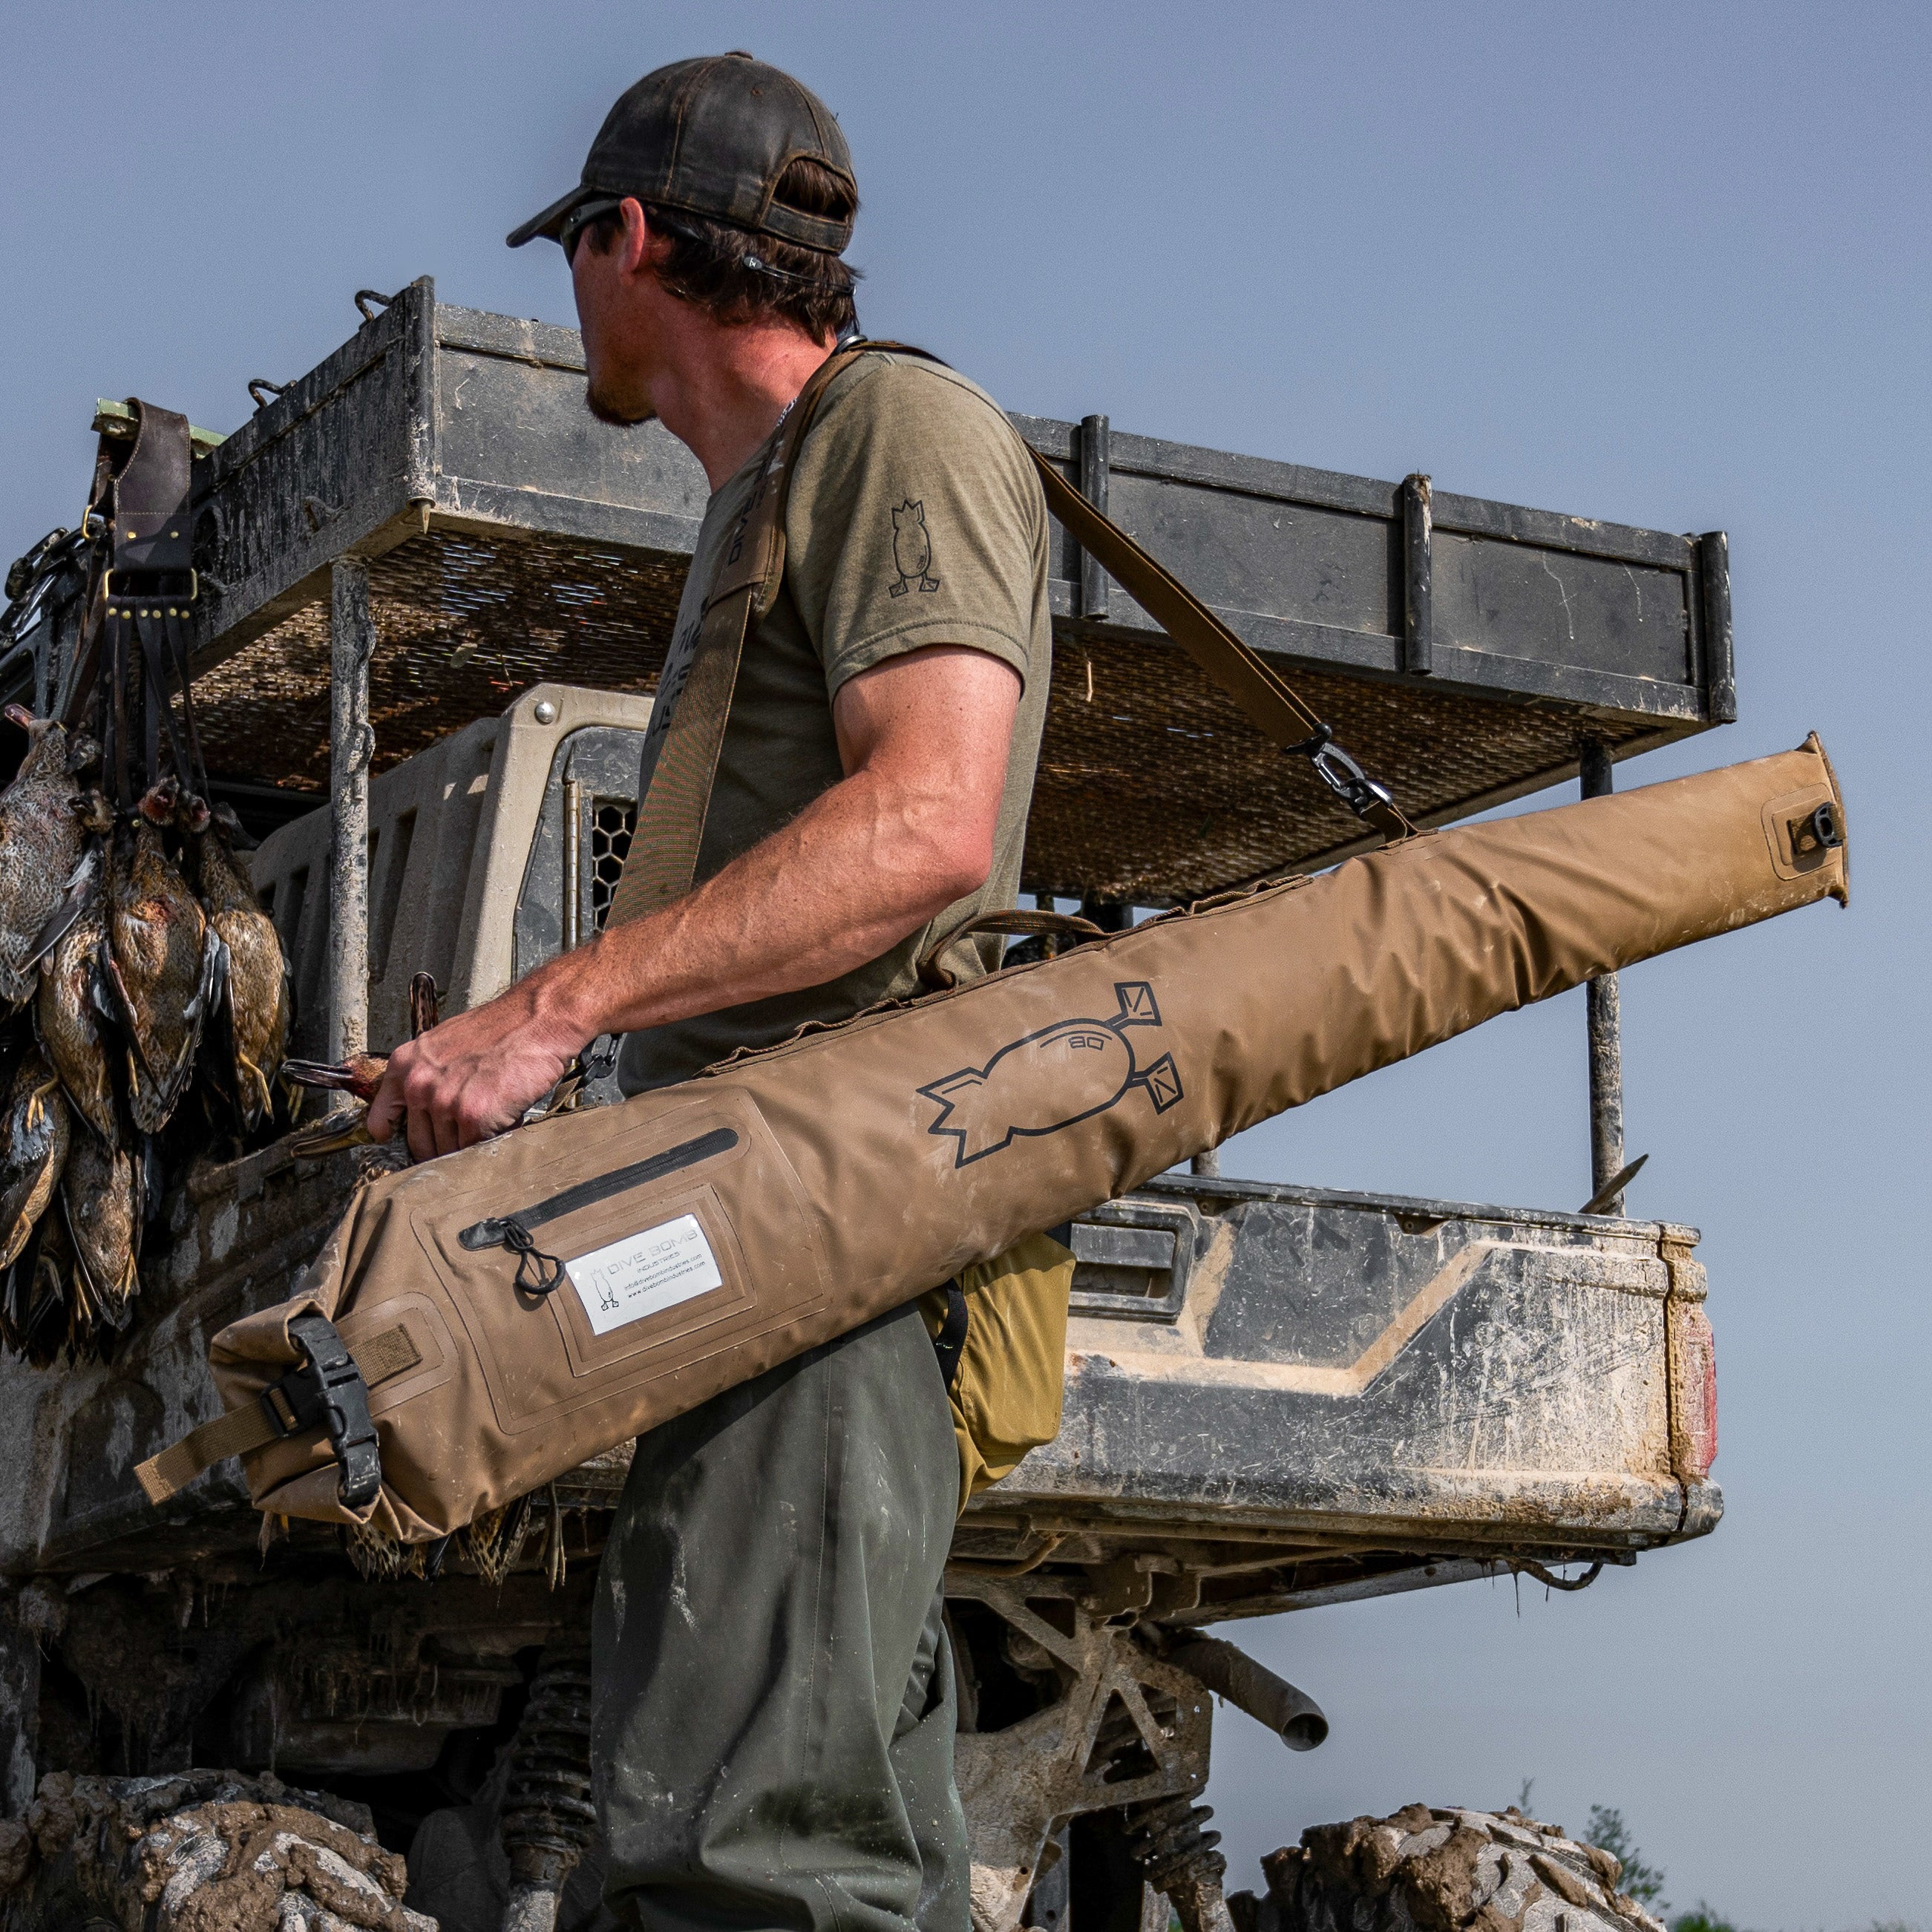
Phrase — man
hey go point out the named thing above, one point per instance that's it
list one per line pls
(774, 1693)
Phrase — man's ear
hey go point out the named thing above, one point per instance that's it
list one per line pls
(641, 244)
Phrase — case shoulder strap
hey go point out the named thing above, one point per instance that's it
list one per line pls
(663, 857)
(1269, 702)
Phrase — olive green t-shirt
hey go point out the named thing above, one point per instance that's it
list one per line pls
(914, 518)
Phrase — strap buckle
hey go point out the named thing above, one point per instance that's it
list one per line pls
(327, 1392)
(177, 597)
(1371, 802)
(1347, 780)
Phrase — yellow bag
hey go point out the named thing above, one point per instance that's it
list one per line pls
(1006, 1371)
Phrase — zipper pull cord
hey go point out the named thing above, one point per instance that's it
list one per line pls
(544, 1272)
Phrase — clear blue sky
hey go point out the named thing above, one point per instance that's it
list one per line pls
(1664, 265)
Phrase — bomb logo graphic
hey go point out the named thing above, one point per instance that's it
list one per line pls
(1067, 1072)
(912, 549)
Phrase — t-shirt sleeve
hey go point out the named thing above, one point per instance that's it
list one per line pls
(914, 518)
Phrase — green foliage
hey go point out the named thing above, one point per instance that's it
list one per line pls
(1643, 1881)
(1703, 1919)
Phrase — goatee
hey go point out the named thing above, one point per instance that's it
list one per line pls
(618, 416)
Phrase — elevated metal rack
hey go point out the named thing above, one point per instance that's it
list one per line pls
(1464, 649)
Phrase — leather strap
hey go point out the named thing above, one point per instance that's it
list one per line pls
(138, 638)
(152, 530)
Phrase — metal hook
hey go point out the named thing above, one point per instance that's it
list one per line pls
(369, 301)
(261, 391)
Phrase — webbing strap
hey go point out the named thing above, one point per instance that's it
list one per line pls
(949, 1344)
(1246, 677)
(1017, 920)
(234, 1434)
(287, 1409)
(662, 860)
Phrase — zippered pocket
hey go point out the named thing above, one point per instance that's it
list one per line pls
(672, 1232)
(545, 1272)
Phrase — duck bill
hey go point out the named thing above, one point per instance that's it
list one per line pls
(337, 1077)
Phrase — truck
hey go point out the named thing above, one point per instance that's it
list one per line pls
(432, 596)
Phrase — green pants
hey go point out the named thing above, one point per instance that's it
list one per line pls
(774, 1696)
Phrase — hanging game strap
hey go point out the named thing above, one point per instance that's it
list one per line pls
(149, 592)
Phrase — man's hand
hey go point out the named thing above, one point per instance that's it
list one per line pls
(472, 1076)
(924, 740)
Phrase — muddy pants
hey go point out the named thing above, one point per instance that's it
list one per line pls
(774, 1696)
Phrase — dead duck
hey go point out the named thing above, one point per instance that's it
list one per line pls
(41, 835)
(101, 1192)
(360, 1075)
(67, 1015)
(162, 962)
(253, 1019)
(357, 1076)
(36, 1315)
(34, 1136)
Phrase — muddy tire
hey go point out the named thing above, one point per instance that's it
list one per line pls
(196, 1851)
(1425, 1870)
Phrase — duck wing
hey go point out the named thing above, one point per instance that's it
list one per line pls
(34, 1314)
(40, 846)
(101, 1192)
(35, 1137)
(67, 1017)
(82, 891)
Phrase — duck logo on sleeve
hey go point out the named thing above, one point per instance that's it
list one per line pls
(912, 549)
(1065, 1072)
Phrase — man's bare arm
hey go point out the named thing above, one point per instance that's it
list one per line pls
(924, 741)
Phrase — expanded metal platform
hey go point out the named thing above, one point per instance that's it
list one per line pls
(1462, 648)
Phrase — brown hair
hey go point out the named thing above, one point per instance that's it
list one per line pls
(740, 276)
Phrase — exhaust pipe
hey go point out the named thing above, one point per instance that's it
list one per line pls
(1291, 1714)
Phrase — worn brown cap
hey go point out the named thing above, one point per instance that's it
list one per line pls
(712, 136)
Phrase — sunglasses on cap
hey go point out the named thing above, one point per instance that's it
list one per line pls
(580, 218)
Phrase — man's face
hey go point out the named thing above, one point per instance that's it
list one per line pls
(618, 297)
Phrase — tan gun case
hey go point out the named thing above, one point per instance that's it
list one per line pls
(519, 1307)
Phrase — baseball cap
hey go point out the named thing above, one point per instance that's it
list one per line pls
(712, 136)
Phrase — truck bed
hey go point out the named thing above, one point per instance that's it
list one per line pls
(1275, 1395)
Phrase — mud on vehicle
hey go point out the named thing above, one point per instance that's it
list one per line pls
(432, 596)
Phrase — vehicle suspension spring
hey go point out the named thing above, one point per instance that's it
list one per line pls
(548, 1818)
(1169, 1840)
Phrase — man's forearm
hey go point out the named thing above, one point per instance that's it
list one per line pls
(861, 867)
(910, 829)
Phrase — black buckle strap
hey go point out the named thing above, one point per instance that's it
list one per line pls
(949, 1344)
(327, 1392)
